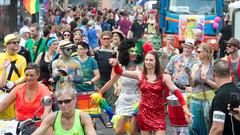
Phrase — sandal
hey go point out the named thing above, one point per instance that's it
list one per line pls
(109, 124)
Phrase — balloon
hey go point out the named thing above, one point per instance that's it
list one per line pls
(217, 19)
(215, 25)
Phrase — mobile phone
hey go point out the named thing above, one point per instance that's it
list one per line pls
(234, 101)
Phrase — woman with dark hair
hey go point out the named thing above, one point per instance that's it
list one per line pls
(27, 96)
(118, 36)
(152, 83)
(129, 91)
(67, 35)
(89, 68)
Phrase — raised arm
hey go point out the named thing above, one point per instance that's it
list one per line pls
(118, 70)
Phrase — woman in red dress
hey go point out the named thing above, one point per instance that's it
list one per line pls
(151, 117)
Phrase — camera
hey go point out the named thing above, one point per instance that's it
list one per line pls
(234, 101)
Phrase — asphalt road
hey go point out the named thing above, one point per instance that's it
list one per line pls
(102, 130)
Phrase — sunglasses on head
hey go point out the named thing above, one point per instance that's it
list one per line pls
(14, 42)
(66, 101)
(77, 33)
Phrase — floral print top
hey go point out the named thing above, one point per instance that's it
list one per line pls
(180, 70)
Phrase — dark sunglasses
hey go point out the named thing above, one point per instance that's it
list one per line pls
(67, 101)
(106, 38)
(68, 49)
(67, 35)
(14, 42)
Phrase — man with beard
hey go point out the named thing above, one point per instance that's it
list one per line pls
(15, 70)
(233, 59)
(36, 44)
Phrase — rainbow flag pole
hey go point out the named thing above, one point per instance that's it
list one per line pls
(32, 6)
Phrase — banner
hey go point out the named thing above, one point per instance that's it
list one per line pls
(187, 25)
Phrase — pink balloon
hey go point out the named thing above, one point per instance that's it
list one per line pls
(217, 19)
(215, 25)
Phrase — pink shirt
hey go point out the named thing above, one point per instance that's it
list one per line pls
(125, 26)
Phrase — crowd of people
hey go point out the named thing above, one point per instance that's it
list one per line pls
(120, 56)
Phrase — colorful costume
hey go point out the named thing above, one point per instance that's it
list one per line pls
(151, 109)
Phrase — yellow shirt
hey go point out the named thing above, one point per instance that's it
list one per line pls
(20, 65)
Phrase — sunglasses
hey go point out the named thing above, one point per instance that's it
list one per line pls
(68, 49)
(77, 33)
(67, 35)
(66, 101)
(81, 48)
(14, 42)
(106, 38)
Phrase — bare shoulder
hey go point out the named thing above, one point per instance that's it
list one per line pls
(84, 115)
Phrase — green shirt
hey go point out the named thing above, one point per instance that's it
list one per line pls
(31, 45)
(88, 67)
(77, 128)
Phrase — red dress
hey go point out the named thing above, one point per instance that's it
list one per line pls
(151, 115)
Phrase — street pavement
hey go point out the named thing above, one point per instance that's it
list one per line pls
(102, 130)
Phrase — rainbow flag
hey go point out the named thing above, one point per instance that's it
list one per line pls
(32, 6)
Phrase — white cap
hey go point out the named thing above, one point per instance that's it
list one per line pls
(24, 30)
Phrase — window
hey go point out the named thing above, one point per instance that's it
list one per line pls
(199, 7)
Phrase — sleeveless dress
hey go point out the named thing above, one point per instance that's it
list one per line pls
(128, 97)
(151, 115)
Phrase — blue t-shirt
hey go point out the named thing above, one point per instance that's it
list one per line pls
(87, 70)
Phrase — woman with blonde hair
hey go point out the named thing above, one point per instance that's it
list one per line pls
(202, 90)
(67, 120)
